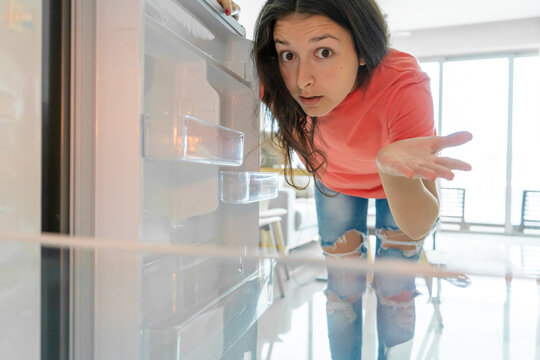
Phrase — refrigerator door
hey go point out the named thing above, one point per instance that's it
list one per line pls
(177, 163)
(20, 176)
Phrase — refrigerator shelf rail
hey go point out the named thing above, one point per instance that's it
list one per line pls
(188, 138)
(244, 187)
(162, 41)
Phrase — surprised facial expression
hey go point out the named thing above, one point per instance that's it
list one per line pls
(317, 61)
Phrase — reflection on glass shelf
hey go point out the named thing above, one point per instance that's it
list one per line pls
(236, 187)
(191, 139)
(197, 303)
(200, 302)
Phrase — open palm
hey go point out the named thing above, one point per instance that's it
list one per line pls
(418, 157)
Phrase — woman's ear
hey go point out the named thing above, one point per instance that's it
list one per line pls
(361, 61)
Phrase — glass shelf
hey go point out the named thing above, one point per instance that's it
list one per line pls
(190, 139)
(142, 305)
(246, 187)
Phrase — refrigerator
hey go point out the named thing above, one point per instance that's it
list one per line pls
(20, 176)
(163, 125)
(176, 162)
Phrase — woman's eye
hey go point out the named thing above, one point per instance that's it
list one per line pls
(287, 56)
(324, 53)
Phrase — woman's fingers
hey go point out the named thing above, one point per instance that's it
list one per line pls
(230, 8)
(398, 169)
(438, 171)
(453, 164)
(235, 10)
(455, 139)
(226, 5)
(416, 158)
(428, 171)
(432, 171)
(425, 173)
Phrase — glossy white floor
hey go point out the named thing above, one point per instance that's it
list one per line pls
(492, 319)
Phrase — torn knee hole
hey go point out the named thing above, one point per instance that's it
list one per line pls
(347, 244)
(404, 299)
(397, 239)
(335, 303)
(333, 297)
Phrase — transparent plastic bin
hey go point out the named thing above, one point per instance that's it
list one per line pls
(212, 330)
(191, 139)
(236, 187)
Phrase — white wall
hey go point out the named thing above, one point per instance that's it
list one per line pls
(512, 35)
(248, 15)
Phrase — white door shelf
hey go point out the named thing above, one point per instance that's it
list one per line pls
(191, 139)
(162, 42)
(215, 324)
(237, 187)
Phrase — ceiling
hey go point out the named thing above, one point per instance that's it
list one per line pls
(422, 14)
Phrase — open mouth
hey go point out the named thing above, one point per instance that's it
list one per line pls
(311, 100)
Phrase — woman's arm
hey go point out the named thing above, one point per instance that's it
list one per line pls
(408, 169)
(414, 204)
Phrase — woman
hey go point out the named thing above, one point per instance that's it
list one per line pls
(359, 114)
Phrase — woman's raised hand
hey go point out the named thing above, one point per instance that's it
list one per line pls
(418, 157)
(230, 8)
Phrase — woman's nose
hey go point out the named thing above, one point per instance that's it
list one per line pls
(304, 77)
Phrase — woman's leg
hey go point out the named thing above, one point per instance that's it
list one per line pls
(342, 227)
(395, 294)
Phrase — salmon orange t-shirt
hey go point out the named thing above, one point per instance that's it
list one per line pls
(395, 105)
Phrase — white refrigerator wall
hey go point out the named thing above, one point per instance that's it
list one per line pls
(177, 105)
(20, 176)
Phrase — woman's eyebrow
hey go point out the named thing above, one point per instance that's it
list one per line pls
(314, 39)
(322, 37)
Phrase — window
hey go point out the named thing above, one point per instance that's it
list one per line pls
(474, 96)
(525, 130)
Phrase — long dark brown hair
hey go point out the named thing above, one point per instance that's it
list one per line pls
(367, 26)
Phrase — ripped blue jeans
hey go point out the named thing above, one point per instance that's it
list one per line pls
(343, 230)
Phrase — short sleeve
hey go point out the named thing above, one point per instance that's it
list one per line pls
(410, 111)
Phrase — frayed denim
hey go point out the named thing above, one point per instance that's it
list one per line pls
(343, 229)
